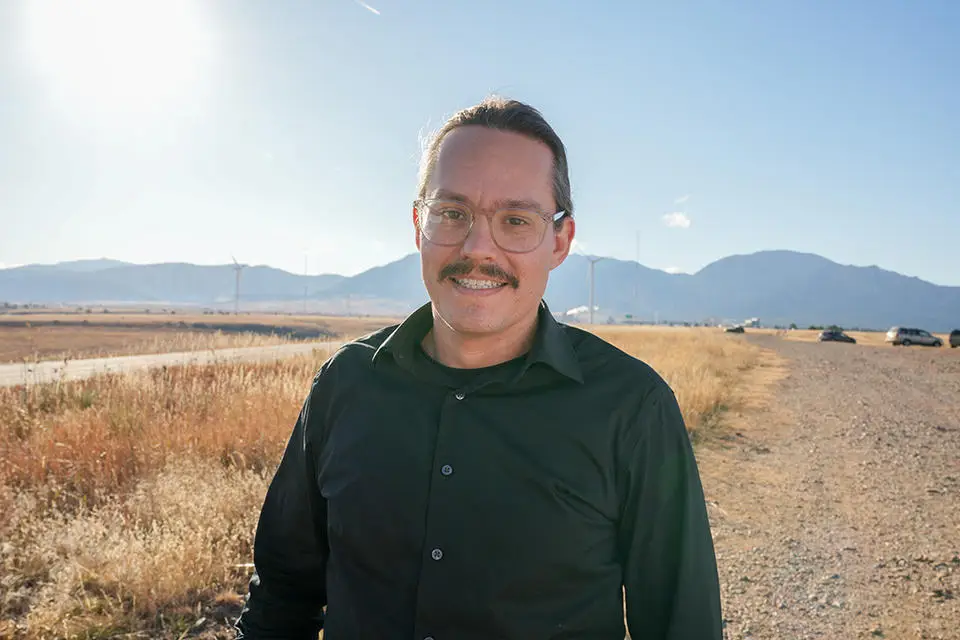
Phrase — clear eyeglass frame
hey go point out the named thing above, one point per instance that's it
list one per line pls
(426, 205)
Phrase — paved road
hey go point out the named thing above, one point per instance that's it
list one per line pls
(33, 373)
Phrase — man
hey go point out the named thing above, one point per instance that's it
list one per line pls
(480, 470)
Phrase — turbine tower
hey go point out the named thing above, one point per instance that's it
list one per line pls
(593, 261)
(237, 267)
(305, 281)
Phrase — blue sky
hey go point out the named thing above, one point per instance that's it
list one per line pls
(276, 131)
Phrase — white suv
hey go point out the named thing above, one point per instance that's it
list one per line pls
(907, 336)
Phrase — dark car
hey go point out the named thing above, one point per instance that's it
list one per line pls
(833, 335)
(955, 338)
(734, 329)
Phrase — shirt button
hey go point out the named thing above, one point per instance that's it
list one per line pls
(436, 554)
(446, 470)
(460, 395)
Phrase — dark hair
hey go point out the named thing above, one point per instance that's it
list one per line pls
(504, 115)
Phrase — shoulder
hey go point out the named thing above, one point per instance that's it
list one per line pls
(605, 363)
(344, 371)
(354, 356)
(645, 407)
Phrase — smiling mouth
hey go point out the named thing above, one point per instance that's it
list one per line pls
(470, 283)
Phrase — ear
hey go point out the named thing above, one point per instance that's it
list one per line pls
(416, 227)
(563, 241)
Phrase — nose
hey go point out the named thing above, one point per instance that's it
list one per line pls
(479, 244)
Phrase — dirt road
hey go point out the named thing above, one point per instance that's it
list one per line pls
(48, 371)
(836, 508)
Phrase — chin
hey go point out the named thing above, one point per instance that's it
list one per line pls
(477, 316)
(474, 318)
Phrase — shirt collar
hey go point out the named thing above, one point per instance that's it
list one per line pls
(551, 345)
(403, 340)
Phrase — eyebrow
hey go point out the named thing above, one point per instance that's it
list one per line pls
(508, 203)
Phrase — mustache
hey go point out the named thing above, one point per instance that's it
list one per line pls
(466, 267)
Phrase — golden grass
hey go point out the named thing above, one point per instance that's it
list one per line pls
(72, 336)
(130, 496)
(128, 503)
(339, 324)
(70, 343)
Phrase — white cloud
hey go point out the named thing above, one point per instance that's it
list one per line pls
(677, 219)
(367, 7)
(673, 270)
(682, 199)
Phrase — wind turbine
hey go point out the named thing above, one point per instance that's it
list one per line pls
(237, 267)
(636, 281)
(593, 261)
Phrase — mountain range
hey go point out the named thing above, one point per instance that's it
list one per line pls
(778, 287)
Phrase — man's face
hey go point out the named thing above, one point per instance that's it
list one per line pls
(486, 168)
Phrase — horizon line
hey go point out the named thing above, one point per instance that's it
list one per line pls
(122, 263)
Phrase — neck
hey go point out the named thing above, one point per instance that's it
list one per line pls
(473, 351)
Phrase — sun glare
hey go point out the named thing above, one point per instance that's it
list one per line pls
(117, 55)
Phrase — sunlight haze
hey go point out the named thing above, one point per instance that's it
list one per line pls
(289, 133)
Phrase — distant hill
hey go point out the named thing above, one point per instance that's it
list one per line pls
(79, 266)
(169, 283)
(778, 287)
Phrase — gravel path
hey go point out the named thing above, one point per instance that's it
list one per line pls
(53, 370)
(836, 507)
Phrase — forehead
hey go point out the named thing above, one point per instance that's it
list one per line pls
(487, 166)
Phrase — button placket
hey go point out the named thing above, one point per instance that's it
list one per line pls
(434, 565)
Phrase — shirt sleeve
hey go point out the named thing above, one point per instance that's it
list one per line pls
(287, 591)
(671, 581)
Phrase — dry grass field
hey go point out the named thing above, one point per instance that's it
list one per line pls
(128, 503)
(48, 336)
(172, 318)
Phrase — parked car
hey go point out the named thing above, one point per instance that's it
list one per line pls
(955, 338)
(835, 335)
(907, 336)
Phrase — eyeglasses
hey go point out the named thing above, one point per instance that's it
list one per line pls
(448, 223)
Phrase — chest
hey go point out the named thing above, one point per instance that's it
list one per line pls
(491, 472)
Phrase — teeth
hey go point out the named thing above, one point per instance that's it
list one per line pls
(479, 284)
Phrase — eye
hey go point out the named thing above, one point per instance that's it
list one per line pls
(452, 214)
(449, 212)
(518, 218)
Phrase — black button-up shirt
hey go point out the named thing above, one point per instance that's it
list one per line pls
(519, 501)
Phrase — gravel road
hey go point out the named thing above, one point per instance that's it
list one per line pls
(836, 507)
(49, 371)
